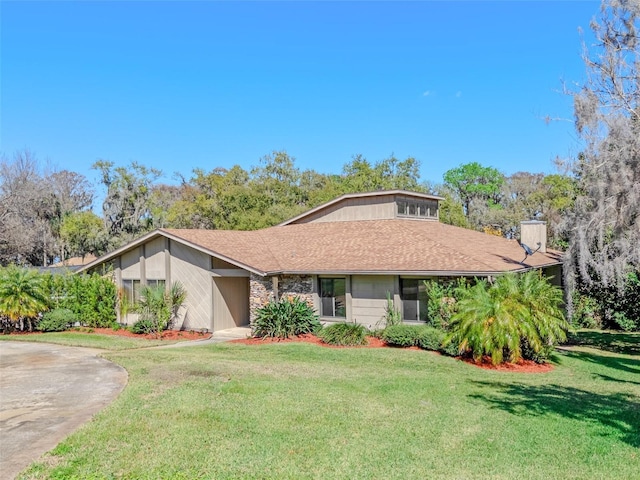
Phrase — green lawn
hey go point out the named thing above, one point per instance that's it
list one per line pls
(93, 340)
(303, 411)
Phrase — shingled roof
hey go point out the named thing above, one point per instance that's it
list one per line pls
(373, 247)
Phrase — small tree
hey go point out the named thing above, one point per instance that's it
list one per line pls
(159, 307)
(516, 312)
(22, 295)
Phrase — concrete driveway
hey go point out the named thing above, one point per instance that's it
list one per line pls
(47, 392)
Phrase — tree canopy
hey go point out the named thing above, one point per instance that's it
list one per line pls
(603, 228)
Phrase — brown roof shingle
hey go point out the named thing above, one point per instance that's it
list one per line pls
(374, 246)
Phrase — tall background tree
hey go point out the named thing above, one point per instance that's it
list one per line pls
(34, 202)
(604, 227)
(126, 207)
(477, 187)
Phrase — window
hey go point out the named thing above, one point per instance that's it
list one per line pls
(332, 297)
(418, 208)
(155, 283)
(414, 299)
(131, 290)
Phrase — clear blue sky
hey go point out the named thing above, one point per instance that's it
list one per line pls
(180, 85)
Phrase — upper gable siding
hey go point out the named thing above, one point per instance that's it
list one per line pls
(192, 268)
(154, 263)
(130, 264)
(367, 208)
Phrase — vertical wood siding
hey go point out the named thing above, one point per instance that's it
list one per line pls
(130, 264)
(191, 268)
(368, 208)
(230, 302)
(154, 264)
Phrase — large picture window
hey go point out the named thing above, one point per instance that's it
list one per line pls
(333, 297)
(414, 299)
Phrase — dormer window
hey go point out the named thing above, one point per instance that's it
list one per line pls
(417, 208)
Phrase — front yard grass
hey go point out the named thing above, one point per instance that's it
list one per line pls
(304, 411)
(93, 340)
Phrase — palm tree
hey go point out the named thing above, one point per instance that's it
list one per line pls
(515, 311)
(160, 307)
(22, 294)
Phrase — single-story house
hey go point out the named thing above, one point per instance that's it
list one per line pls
(344, 257)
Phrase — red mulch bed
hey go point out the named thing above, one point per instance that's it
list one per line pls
(524, 366)
(123, 332)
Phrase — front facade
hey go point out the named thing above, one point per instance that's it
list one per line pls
(346, 258)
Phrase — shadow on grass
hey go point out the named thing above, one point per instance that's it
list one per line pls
(617, 412)
(616, 342)
(623, 364)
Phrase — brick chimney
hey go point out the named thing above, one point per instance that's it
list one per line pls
(533, 232)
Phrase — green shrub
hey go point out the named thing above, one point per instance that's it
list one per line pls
(159, 307)
(586, 312)
(541, 356)
(91, 297)
(495, 319)
(402, 335)
(350, 334)
(423, 336)
(57, 320)
(430, 338)
(441, 300)
(285, 318)
(451, 349)
(143, 326)
(625, 323)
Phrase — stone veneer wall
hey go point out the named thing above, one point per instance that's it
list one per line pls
(261, 290)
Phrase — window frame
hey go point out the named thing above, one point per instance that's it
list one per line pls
(417, 208)
(420, 300)
(131, 290)
(338, 302)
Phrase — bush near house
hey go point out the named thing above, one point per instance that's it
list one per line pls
(57, 320)
(344, 334)
(26, 294)
(423, 336)
(92, 298)
(285, 318)
(441, 300)
(158, 307)
(401, 335)
(516, 317)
